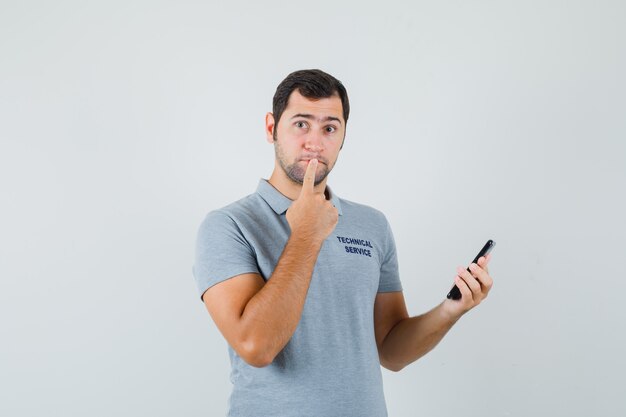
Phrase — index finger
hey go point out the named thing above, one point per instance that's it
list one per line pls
(484, 261)
(308, 183)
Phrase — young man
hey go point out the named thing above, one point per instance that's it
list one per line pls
(304, 285)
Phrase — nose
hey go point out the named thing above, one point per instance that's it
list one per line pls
(314, 142)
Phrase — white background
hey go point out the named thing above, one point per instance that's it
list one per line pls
(122, 123)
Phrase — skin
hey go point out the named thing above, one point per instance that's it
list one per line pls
(307, 129)
(258, 318)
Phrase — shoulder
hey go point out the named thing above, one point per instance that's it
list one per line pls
(235, 212)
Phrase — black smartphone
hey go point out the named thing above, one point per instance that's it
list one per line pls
(455, 293)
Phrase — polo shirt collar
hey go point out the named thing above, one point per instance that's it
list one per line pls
(280, 203)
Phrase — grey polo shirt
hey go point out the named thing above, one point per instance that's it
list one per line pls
(330, 367)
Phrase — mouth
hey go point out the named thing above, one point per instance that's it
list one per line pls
(319, 159)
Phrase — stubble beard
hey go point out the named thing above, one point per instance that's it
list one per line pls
(296, 170)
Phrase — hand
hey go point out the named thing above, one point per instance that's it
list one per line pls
(311, 216)
(474, 286)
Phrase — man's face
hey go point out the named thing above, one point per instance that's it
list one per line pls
(308, 129)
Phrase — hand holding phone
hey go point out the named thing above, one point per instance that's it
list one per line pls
(455, 293)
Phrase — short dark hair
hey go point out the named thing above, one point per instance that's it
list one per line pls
(312, 84)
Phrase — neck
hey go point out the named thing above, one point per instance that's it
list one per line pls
(290, 188)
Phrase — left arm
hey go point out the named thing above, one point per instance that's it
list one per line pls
(402, 340)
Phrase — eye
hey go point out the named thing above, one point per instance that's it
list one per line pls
(301, 125)
(330, 129)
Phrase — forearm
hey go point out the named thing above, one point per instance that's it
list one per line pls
(413, 337)
(272, 315)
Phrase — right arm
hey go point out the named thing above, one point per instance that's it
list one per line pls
(259, 318)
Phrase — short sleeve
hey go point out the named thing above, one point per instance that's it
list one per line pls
(389, 274)
(222, 252)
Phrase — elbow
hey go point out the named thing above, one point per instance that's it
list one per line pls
(255, 354)
(257, 361)
(393, 367)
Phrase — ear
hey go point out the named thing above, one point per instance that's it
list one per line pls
(269, 127)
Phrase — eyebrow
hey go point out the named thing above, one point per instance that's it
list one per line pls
(311, 117)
